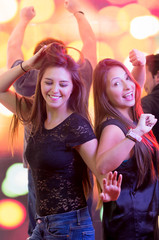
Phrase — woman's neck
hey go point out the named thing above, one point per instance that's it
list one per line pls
(128, 113)
(55, 117)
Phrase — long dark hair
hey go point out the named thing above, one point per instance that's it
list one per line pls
(56, 57)
(143, 151)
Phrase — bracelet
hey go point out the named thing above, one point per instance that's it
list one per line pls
(133, 136)
(22, 67)
(129, 137)
(79, 12)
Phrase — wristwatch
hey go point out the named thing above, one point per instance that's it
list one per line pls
(133, 136)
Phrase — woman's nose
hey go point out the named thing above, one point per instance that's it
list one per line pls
(55, 88)
(127, 85)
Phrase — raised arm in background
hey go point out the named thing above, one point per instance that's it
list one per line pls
(14, 49)
(138, 60)
(86, 33)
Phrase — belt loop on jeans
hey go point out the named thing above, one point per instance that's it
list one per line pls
(78, 217)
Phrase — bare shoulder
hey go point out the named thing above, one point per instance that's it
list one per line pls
(110, 136)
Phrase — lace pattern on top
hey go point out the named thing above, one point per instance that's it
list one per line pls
(57, 167)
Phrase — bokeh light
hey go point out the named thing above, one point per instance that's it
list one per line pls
(108, 22)
(4, 37)
(44, 9)
(3, 54)
(8, 10)
(143, 27)
(149, 4)
(16, 181)
(104, 51)
(5, 111)
(129, 12)
(111, 21)
(77, 45)
(120, 2)
(12, 213)
(128, 64)
(157, 51)
(135, 10)
(128, 42)
(101, 213)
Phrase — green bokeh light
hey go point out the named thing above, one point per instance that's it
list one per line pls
(101, 213)
(16, 181)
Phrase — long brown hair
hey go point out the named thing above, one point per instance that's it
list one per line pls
(143, 151)
(55, 56)
(77, 103)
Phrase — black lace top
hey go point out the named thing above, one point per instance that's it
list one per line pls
(57, 167)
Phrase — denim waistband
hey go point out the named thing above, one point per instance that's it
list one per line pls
(80, 213)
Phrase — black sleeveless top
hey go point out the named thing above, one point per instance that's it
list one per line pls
(134, 215)
(57, 167)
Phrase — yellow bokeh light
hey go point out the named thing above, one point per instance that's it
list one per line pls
(143, 27)
(104, 51)
(44, 9)
(129, 12)
(33, 34)
(4, 37)
(109, 22)
(75, 54)
(3, 55)
(12, 213)
(36, 33)
(8, 10)
(157, 51)
(127, 43)
(123, 20)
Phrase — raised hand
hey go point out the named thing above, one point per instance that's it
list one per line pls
(111, 187)
(27, 14)
(36, 61)
(137, 58)
(145, 124)
(72, 5)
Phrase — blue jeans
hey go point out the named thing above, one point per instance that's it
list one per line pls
(74, 225)
(32, 202)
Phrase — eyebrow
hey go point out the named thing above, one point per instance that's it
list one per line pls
(125, 74)
(50, 79)
(115, 78)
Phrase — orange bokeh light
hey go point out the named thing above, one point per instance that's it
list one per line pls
(12, 213)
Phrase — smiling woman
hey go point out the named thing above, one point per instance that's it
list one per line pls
(120, 89)
(56, 88)
(126, 144)
(61, 144)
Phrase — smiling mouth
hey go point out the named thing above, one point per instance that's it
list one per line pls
(54, 97)
(129, 96)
